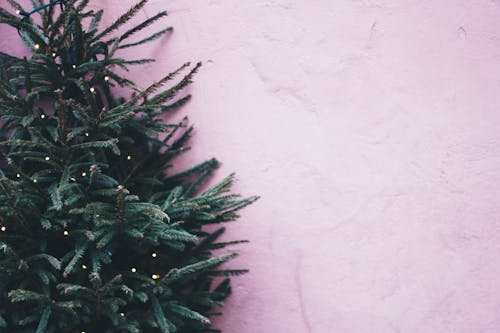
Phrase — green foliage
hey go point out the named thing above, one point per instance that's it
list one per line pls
(95, 236)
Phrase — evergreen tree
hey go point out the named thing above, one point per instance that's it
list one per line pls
(94, 235)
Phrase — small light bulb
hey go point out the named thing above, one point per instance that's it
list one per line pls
(73, 179)
(37, 46)
(18, 12)
(18, 175)
(92, 89)
(84, 267)
(86, 133)
(47, 158)
(106, 78)
(133, 270)
(84, 174)
(66, 233)
(3, 228)
(34, 180)
(122, 314)
(129, 157)
(54, 54)
(153, 254)
(42, 116)
(74, 66)
(155, 276)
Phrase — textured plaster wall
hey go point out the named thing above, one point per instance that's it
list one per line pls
(371, 129)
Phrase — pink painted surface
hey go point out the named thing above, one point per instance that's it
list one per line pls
(372, 131)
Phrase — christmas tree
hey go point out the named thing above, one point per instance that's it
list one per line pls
(95, 235)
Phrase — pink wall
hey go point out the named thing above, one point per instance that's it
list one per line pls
(371, 129)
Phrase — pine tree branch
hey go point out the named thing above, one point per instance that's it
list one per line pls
(121, 20)
(151, 38)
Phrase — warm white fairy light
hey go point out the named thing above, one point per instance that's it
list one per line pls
(66, 233)
(106, 78)
(54, 54)
(74, 66)
(37, 46)
(3, 228)
(34, 180)
(18, 175)
(18, 12)
(92, 89)
(84, 174)
(134, 269)
(155, 276)
(122, 314)
(47, 158)
(86, 133)
(73, 179)
(84, 267)
(42, 116)
(153, 254)
(129, 157)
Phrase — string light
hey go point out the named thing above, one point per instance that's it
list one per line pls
(3, 228)
(133, 270)
(66, 233)
(122, 314)
(86, 133)
(39, 8)
(84, 267)
(74, 66)
(129, 157)
(155, 276)
(106, 78)
(47, 158)
(153, 254)
(34, 180)
(54, 54)
(84, 174)
(42, 116)
(73, 179)
(18, 175)
(37, 46)
(92, 89)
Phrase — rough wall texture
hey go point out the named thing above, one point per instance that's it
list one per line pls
(371, 129)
